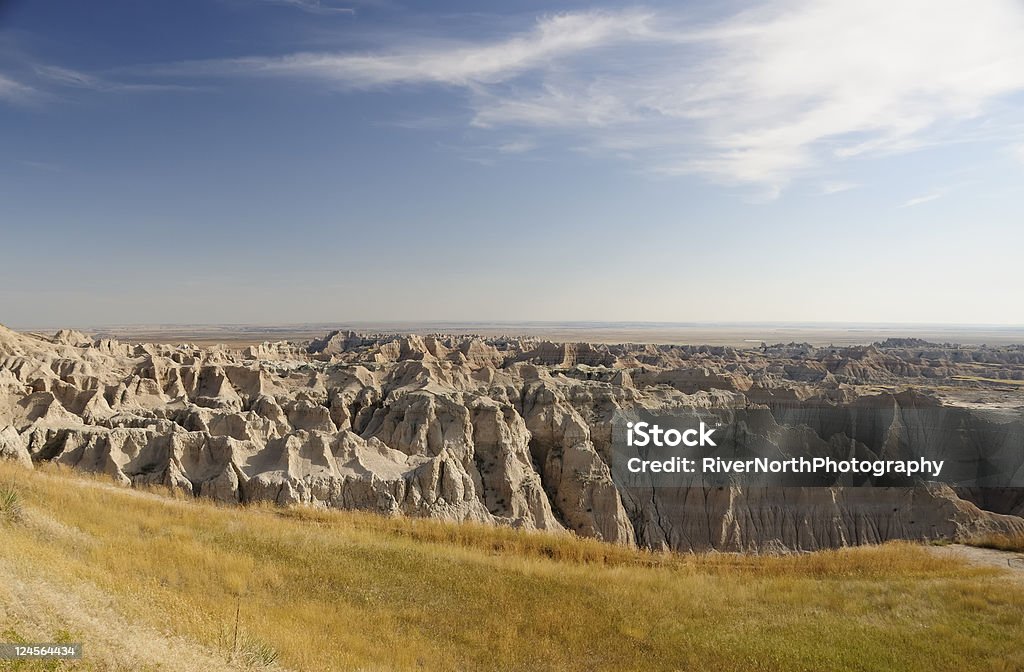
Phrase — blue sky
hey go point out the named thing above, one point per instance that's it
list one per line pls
(278, 161)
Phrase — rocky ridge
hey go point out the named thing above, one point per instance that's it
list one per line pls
(516, 431)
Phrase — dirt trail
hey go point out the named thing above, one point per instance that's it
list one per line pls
(1010, 561)
(37, 607)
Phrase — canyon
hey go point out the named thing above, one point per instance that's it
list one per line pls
(519, 431)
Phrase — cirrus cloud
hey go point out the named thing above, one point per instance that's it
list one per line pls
(760, 97)
(16, 92)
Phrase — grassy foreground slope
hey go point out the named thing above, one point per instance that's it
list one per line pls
(342, 591)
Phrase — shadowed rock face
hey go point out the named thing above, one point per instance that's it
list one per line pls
(518, 432)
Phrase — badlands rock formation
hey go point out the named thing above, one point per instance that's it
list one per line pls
(517, 431)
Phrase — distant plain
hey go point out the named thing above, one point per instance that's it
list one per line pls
(743, 335)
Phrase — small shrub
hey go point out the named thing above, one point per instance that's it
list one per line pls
(11, 509)
(255, 653)
(246, 649)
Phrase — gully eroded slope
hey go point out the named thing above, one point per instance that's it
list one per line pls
(518, 431)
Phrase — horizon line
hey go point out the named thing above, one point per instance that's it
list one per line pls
(561, 323)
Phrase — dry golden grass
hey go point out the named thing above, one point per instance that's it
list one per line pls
(1001, 542)
(348, 591)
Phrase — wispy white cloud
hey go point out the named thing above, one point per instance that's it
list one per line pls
(918, 200)
(519, 146)
(13, 91)
(451, 63)
(68, 77)
(830, 188)
(80, 80)
(314, 6)
(760, 97)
